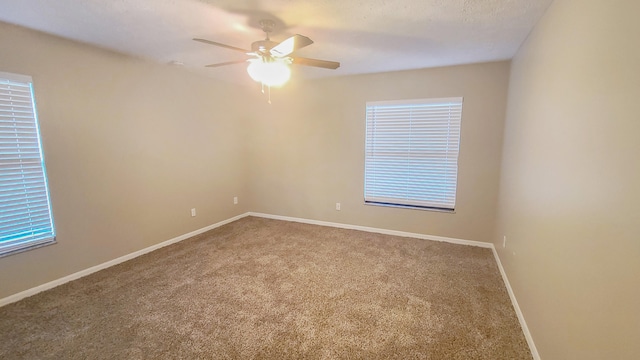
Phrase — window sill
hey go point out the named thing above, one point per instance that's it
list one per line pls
(35, 246)
(447, 211)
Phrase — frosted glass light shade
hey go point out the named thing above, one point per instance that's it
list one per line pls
(273, 73)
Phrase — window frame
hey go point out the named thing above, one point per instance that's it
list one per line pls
(382, 178)
(22, 170)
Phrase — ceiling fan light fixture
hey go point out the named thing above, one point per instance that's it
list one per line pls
(270, 66)
(271, 73)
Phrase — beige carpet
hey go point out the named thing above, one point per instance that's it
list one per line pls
(267, 289)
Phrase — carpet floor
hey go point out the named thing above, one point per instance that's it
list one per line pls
(266, 289)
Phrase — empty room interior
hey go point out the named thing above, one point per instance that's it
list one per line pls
(182, 202)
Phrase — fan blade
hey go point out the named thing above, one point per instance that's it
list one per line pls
(317, 63)
(221, 45)
(290, 45)
(226, 63)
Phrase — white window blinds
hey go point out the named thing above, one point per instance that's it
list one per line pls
(411, 155)
(25, 211)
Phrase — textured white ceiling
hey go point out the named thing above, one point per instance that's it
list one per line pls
(365, 36)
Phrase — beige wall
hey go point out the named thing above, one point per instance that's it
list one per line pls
(570, 185)
(307, 149)
(130, 147)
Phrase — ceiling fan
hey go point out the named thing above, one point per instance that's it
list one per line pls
(269, 60)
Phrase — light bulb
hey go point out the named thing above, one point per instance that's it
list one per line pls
(270, 73)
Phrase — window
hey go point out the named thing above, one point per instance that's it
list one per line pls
(411, 154)
(25, 209)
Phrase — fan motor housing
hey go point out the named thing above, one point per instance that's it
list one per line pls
(262, 46)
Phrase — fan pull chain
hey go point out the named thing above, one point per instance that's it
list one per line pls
(268, 91)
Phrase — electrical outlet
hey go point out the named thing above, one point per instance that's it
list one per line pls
(193, 212)
(235, 200)
(338, 206)
(504, 241)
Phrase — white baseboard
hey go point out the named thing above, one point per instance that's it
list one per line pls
(516, 307)
(375, 230)
(50, 285)
(91, 270)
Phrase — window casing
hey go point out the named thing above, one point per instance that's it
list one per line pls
(25, 209)
(411, 153)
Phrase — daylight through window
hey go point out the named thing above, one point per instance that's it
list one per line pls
(411, 154)
(25, 209)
